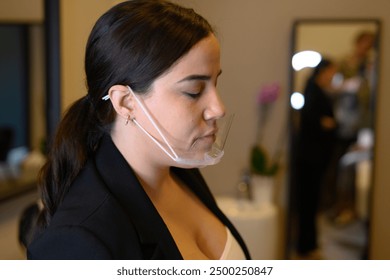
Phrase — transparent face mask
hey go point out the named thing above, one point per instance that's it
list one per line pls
(190, 157)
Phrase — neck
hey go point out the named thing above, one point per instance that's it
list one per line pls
(143, 158)
(153, 179)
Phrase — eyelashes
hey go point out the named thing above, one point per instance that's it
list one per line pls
(193, 95)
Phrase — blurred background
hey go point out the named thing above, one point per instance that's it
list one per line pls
(42, 46)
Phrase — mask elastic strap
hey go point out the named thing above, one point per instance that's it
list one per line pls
(174, 156)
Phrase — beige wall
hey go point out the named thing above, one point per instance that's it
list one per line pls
(77, 19)
(21, 11)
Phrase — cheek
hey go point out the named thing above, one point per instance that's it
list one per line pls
(184, 127)
(177, 119)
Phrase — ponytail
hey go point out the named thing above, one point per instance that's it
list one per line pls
(77, 137)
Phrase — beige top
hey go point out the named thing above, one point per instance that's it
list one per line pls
(232, 249)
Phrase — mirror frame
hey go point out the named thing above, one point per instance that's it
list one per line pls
(293, 116)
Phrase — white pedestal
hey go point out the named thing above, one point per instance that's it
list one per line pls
(262, 189)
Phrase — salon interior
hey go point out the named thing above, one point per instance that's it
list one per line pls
(268, 50)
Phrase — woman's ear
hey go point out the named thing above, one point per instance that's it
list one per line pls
(121, 100)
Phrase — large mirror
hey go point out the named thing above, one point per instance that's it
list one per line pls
(334, 74)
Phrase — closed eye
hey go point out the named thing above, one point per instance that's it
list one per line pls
(193, 95)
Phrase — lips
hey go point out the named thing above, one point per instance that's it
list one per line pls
(205, 141)
(210, 136)
(212, 132)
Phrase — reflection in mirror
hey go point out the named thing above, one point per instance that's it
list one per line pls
(22, 114)
(334, 77)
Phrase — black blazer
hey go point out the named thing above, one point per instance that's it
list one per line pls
(107, 215)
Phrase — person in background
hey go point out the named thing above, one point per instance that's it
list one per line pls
(354, 113)
(122, 178)
(357, 70)
(316, 139)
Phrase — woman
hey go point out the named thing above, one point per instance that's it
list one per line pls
(316, 136)
(121, 181)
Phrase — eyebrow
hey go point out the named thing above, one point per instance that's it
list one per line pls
(198, 77)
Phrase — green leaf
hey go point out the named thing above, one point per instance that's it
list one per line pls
(259, 162)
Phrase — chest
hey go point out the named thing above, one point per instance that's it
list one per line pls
(197, 232)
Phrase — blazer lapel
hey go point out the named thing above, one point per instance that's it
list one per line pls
(121, 180)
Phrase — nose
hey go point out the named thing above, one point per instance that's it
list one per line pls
(215, 109)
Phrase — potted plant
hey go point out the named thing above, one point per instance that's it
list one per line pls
(263, 166)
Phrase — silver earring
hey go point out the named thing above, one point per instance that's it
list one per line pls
(127, 120)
